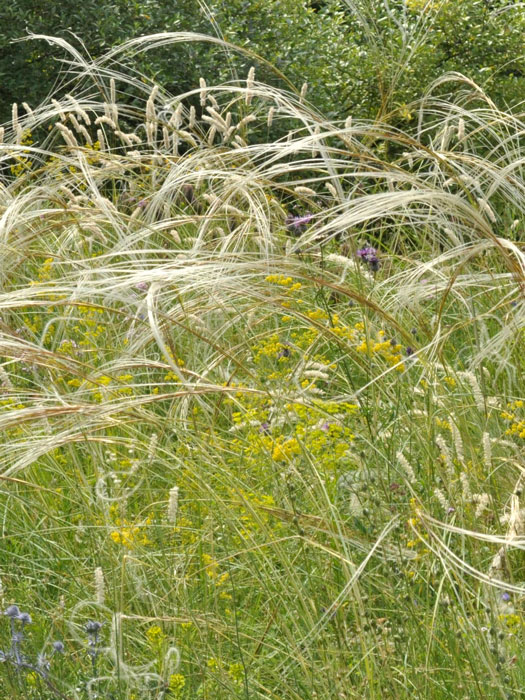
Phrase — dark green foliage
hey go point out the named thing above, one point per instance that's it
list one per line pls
(359, 57)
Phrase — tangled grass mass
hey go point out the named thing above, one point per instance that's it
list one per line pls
(262, 404)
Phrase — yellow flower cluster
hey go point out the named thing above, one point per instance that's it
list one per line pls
(211, 566)
(155, 636)
(515, 416)
(129, 535)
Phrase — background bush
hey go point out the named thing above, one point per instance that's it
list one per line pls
(359, 57)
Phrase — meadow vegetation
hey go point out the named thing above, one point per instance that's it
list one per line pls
(262, 402)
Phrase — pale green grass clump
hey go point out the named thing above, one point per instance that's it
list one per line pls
(270, 468)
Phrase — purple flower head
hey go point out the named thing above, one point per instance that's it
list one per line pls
(285, 352)
(366, 253)
(93, 627)
(296, 224)
(325, 427)
(505, 596)
(369, 256)
(264, 427)
(142, 204)
(143, 286)
(58, 647)
(409, 351)
(25, 618)
(12, 611)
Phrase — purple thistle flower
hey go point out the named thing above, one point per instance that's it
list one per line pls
(296, 224)
(369, 256)
(366, 253)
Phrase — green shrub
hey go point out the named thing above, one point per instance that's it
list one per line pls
(359, 57)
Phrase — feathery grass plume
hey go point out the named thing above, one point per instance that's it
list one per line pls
(249, 85)
(461, 129)
(14, 118)
(486, 209)
(173, 505)
(476, 390)
(2, 132)
(302, 94)
(269, 118)
(331, 189)
(407, 467)
(80, 111)
(482, 501)
(203, 92)
(438, 493)
(487, 449)
(151, 113)
(29, 111)
(308, 191)
(458, 442)
(445, 454)
(68, 135)
(59, 109)
(192, 118)
(101, 139)
(465, 487)
(99, 586)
